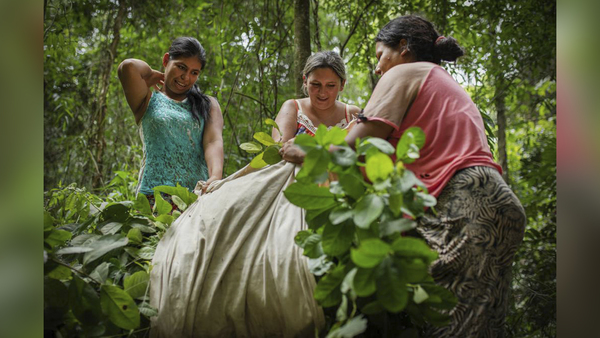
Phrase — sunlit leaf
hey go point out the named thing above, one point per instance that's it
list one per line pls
(119, 307)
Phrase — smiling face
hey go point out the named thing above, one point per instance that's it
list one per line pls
(323, 86)
(180, 75)
(388, 57)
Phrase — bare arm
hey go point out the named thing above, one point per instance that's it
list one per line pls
(137, 79)
(213, 143)
(287, 121)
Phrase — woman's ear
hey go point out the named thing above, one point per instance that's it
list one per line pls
(403, 47)
(343, 84)
(165, 60)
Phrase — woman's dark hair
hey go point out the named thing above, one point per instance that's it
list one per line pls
(324, 59)
(185, 47)
(423, 40)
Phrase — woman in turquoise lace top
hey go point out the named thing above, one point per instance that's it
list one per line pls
(181, 128)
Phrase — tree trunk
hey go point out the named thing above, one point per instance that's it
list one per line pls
(98, 140)
(501, 122)
(301, 41)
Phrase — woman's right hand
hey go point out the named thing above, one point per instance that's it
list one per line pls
(154, 79)
(292, 153)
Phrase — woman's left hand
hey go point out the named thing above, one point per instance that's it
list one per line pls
(291, 152)
(208, 182)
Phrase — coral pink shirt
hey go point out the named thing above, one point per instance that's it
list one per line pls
(454, 129)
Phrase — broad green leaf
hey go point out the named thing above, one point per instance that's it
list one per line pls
(347, 287)
(48, 221)
(180, 203)
(367, 210)
(61, 272)
(344, 156)
(309, 196)
(372, 308)
(313, 247)
(392, 291)
(447, 299)
(319, 266)
(142, 205)
(271, 155)
(135, 285)
(337, 238)
(100, 273)
(392, 226)
(352, 328)
(117, 212)
(166, 219)
(352, 185)
(408, 181)
(264, 138)
(381, 144)
(84, 302)
(183, 193)
(111, 228)
(301, 237)
(334, 136)
(327, 292)
(316, 218)
(364, 282)
(342, 312)
(73, 250)
(103, 245)
(419, 294)
(315, 164)
(146, 253)
(370, 253)
(321, 134)
(161, 206)
(428, 200)
(135, 236)
(305, 141)
(408, 147)
(119, 307)
(258, 162)
(57, 237)
(379, 166)
(251, 147)
(413, 247)
(272, 123)
(340, 214)
(144, 228)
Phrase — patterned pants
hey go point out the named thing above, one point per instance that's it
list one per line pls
(477, 230)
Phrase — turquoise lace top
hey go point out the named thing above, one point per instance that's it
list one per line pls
(172, 141)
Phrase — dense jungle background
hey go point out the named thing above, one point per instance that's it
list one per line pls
(256, 49)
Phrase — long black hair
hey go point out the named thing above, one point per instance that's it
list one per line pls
(423, 40)
(185, 47)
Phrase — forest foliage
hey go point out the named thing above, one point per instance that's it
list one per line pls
(92, 149)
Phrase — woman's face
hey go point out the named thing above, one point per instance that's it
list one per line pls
(180, 75)
(323, 86)
(389, 57)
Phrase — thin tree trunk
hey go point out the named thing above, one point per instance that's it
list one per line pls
(501, 122)
(301, 41)
(100, 107)
(317, 36)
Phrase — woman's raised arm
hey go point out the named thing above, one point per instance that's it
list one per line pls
(137, 79)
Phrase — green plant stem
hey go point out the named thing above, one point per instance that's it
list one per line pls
(75, 270)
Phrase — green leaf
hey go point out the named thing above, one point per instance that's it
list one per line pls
(272, 123)
(315, 164)
(271, 154)
(316, 218)
(103, 245)
(392, 291)
(161, 206)
(301, 237)
(408, 147)
(352, 328)
(146, 253)
(419, 294)
(319, 266)
(337, 238)
(100, 273)
(258, 162)
(342, 312)
(73, 250)
(61, 272)
(111, 228)
(372, 308)
(142, 205)
(447, 299)
(320, 135)
(392, 226)
(334, 136)
(313, 247)
(344, 156)
(364, 282)
(148, 310)
(370, 253)
(84, 302)
(166, 219)
(251, 147)
(428, 200)
(327, 292)
(135, 236)
(379, 166)
(367, 210)
(48, 221)
(305, 141)
(136, 284)
(57, 237)
(381, 144)
(352, 185)
(183, 193)
(340, 214)
(395, 203)
(179, 202)
(119, 307)
(413, 247)
(309, 196)
(117, 212)
(264, 138)
(144, 228)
